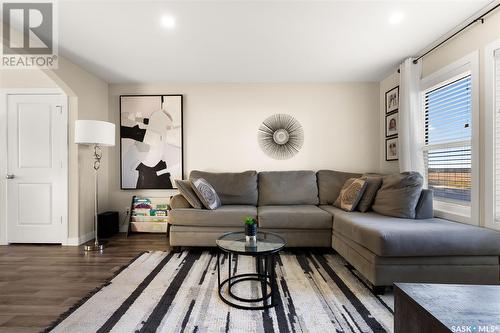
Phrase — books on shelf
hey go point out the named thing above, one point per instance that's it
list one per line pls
(149, 214)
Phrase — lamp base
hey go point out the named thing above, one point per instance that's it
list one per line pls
(95, 246)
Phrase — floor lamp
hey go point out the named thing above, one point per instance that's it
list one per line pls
(97, 134)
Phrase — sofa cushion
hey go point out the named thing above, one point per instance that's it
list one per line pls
(398, 237)
(332, 210)
(185, 189)
(350, 194)
(373, 185)
(233, 188)
(294, 217)
(224, 216)
(288, 188)
(206, 193)
(330, 183)
(399, 195)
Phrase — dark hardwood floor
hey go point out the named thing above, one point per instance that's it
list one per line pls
(39, 282)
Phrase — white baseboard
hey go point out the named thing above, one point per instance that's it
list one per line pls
(76, 241)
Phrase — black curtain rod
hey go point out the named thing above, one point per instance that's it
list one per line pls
(479, 19)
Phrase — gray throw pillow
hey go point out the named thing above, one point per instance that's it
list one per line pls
(373, 184)
(184, 187)
(206, 193)
(350, 194)
(399, 195)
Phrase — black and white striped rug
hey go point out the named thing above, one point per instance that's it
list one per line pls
(177, 292)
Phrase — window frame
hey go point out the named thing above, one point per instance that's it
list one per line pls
(489, 132)
(468, 65)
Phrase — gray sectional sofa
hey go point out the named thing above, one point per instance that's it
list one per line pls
(298, 206)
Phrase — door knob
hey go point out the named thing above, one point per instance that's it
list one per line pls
(9, 176)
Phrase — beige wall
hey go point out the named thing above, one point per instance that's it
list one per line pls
(87, 99)
(476, 38)
(15, 78)
(221, 122)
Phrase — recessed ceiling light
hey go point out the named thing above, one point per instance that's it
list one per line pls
(396, 17)
(168, 21)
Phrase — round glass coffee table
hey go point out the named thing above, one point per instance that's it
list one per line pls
(264, 250)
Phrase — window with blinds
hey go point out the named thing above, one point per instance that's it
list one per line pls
(448, 136)
(496, 138)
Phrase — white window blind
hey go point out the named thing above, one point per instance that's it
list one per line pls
(448, 137)
(497, 137)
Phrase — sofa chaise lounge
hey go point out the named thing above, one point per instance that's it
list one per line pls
(298, 206)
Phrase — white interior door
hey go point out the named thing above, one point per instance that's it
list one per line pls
(36, 168)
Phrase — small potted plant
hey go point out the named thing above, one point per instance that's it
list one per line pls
(250, 230)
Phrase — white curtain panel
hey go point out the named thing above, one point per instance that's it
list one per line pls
(411, 118)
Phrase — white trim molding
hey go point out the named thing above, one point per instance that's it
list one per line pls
(3, 167)
(468, 64)
(76, 241)
(489, 135)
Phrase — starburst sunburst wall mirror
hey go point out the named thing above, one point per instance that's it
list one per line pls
(281, 136)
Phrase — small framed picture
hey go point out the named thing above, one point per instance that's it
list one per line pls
(392, 100)
(391, 124)
(391, 149)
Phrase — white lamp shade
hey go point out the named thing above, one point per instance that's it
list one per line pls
(94, 132)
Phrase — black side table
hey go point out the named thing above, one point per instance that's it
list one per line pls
(445, 308)
(265, 250)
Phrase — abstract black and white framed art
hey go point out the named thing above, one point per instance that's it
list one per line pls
(151, 141)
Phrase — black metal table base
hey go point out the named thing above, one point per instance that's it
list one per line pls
(265, 274)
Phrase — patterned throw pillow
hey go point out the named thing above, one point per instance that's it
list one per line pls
(350, 194)
(206, 193)
(184, 187)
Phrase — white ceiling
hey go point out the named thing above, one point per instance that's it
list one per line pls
(251, 41)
